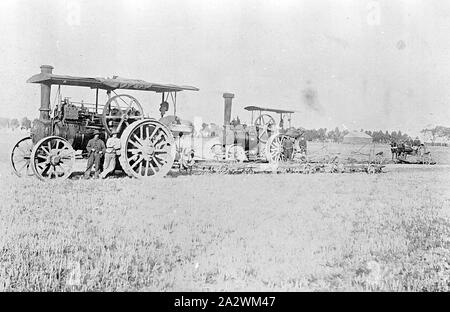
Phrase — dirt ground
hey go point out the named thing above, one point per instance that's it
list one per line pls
(291, 232)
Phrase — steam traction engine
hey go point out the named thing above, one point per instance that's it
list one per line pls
(148, 146)
(263, 140)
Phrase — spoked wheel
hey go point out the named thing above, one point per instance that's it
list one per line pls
(217, 151)
(236, 152)
(275, 148)
(20, 157)
(52, 158)
(265, 124)
(379, 158)
(186, 160)
(402, 156)
(371, 169)
(120, 111)
(426, 159)
(148, 149)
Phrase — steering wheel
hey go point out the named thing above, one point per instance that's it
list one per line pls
(121, 110)
(265, 125)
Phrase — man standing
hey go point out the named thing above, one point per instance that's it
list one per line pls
(112, 150)
(95, 147)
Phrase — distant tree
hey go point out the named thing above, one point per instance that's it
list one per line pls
(386, 137)
(394, 136)
(330, 135)
(321, 134)
(4, 122)
(338, 137)
(379, 136)
(312, 135)
(14, 124)
(25, 123)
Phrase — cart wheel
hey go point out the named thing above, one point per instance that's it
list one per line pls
(275, 148)
(147, 149)
(236, 152)
(120, 111)
(217, 151)
(426, 159)
(379, 158)
(20, 157)
(329, 168)
(186, 160)
(340, 168)
(371, 169)
(52, 158)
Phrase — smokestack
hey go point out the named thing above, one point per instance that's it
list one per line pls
(227, 108)
(45, 94)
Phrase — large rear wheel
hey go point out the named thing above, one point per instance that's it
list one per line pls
(276, 148)
(147, 149)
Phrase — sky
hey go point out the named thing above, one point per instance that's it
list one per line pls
(349, 63)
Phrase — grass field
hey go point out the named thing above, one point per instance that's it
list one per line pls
(241, 232)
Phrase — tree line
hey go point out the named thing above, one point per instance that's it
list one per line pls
(378, 136)
(336, 135)
(14, 123)
(321, 134)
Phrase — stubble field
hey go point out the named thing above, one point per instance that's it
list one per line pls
(239, 232)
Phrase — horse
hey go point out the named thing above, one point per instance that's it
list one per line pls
(394, 150)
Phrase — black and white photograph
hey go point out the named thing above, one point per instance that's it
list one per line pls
(226, 146)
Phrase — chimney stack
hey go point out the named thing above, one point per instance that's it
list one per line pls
(45, 94)
(227, 108)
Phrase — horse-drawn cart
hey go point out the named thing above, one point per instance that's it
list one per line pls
(407, 153)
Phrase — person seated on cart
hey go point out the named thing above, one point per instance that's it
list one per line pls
(111, 153)
(416, 144)
(96, 148)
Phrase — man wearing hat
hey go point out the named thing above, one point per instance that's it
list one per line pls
(95, 147)
(112, 151)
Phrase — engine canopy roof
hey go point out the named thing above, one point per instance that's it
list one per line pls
(273, 110)
(107, 83)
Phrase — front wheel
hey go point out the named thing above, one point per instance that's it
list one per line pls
(52, 158)
(217, 152)
(236, 153)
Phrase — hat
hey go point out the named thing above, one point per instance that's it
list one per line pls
(96, 132)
